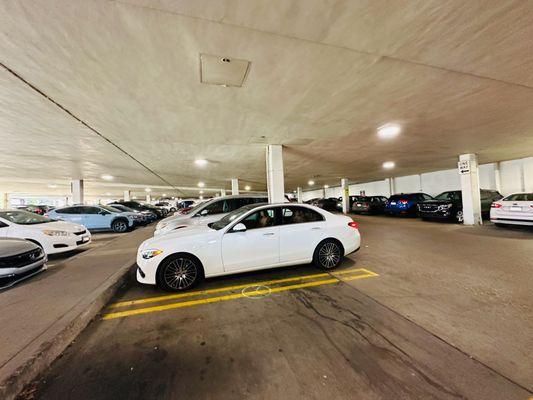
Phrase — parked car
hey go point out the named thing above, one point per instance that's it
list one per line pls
(52, 236)
(405, 203)
(515, 209)
(207, 212)
(448, 206)
(369, 204)
(97, 217)
(329, 204)
(352, 199)
(40, 209)
(167, 206)
(143, 207)
(312, 201)
(186, 203)
(19, 259)
(253, 237)
(145, 217)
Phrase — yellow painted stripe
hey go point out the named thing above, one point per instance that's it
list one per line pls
(352, 278)
(229, 288)
(191, 303)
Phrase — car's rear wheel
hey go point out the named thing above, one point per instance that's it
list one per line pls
(179, 273)
(119, 226)
(328, 254)
(459, 216)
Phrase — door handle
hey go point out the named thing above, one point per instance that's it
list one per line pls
(316, 229)
(268, 234)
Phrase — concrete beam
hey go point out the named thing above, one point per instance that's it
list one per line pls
(127, 195)
(299, 195)
(234, 186)
(345, 196)
(275, 173)
(76, 188)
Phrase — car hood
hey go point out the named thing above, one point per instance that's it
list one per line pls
(179, 234)
(438, 202)
(12, 247)
(56, 225)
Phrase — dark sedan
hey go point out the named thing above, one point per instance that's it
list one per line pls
(369, 205)
(329, 204)
(19, 260)
(143, 207)
(405, 203)
(448, 206)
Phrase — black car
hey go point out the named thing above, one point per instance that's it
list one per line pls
(142, 207)
(369, 204)
(19, 260)
(146, 216)
(352, 199)
(448, 206)
(329, 204)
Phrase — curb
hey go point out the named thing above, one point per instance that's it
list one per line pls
(63, 331)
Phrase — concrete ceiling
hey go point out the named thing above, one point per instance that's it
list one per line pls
(113, 87)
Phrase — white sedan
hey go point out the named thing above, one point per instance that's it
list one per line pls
(251, 238)
(515, 209)
(52, 236)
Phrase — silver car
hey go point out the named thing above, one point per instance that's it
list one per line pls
(207, 212)
(19, 260)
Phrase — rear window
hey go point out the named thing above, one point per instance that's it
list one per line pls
(519, 197)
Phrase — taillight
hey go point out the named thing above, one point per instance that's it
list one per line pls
(496, 205)
(353, 224)
(403, 201)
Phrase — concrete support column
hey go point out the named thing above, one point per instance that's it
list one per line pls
(469, 175)
(345, 196)
(4, 200)
(392, 190)
(497, 177)
(527, 174)
(299, 194)
(127, 195)
(234, 186)
(76, 188)
(148, 198)
(275, 175)
(222, 192)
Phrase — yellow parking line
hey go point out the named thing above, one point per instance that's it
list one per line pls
(147, 310)
(230, 288)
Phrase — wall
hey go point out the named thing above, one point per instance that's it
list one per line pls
(515, 176)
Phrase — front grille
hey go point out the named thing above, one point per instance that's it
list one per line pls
(11, 279)
(80, 233)
(428, 207)
(21, 260)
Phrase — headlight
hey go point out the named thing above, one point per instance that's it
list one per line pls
(56, 233)
(147, 254)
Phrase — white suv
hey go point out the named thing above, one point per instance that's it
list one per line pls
(209, 211)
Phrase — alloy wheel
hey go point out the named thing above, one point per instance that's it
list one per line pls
(329, 255)
(120, 226)
(180, 274)
(459, 216)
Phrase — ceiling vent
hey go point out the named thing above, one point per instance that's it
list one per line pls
(223, 71)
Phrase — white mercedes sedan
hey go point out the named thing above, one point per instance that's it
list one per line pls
(515, 209)
(254, 237)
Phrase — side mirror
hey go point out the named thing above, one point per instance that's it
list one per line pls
(240, 227)
(204, 212)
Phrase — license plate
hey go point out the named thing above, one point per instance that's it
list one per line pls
(392, 203)
(515, 208)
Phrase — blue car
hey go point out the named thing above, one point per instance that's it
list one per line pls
(405, 203)
(97, 217)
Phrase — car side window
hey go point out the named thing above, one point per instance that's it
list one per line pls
(299, 215)
(3, 225)
(90, 210)
(260, 219)
(218, 207)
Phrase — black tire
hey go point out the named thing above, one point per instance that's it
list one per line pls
(499, 225)
(119, 225)
(328, 254)
(459, 218)
(179, 272)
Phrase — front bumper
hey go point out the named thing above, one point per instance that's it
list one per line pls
(147, 269)
(11, 276)
(437, 215)
(68, 243)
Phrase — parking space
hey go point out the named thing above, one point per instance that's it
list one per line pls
(386, 324)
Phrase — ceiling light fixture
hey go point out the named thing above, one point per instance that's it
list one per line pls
(389, 164)
(108, 194)
(201, 162)
(52, 186)
(201, 184)
(311, 183)
(148, 190)
(326, 186)
(164, 195)
(389, 131)
(201, 192)
(247, 187)
(107, 177)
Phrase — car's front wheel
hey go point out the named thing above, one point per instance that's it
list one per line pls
(459, 216)
(179, 273)
(119, 226)
(328, 254)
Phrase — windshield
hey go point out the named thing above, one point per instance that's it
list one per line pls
(448, 196)
(24, 217)
(123, 208)
(229, 218)
(199, 206)
(111, 209)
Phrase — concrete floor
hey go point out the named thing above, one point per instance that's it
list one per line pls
(449, 316)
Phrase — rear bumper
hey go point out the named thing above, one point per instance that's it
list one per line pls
(512, 221)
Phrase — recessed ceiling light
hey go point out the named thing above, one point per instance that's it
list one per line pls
(247, 187)
(108, 194)
(389, 131)
(201, 184)
(326, 186)
(52, 186)
(311, 183)
(201, 192)
(164, 194)
(201, 197)
(148, 190)
(389, 164)
(107, 177)
(201, 162)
